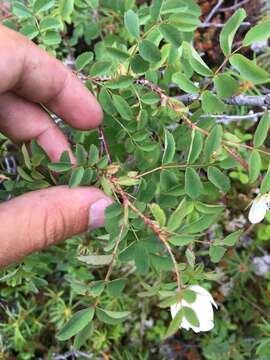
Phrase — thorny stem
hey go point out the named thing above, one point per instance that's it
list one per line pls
(170, 166)
(236, 156)
(104, 143)
(161, 234)
(110, 269)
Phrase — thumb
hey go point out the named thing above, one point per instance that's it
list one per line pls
(41, 218)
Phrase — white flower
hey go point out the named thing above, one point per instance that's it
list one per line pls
(258, 208)
(202, 306)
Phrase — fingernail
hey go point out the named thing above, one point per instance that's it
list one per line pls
(97, 213)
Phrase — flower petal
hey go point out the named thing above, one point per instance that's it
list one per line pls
(200, 290)
(258, 209)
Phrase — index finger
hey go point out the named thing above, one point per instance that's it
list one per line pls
(38, 77)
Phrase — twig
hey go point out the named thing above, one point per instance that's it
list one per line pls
(109, 271)
(169, 166)
(104, 143)
(77, 354)
(231, 118)
(234, 7)
(161, 233)
(241, 100)
(213, 11)
(218, 25)
(236, 156)
(119, 238)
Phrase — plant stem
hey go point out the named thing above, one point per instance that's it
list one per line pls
(161, 234)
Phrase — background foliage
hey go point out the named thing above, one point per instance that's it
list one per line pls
(183, 149)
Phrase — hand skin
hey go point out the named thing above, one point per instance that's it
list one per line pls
(29, 77)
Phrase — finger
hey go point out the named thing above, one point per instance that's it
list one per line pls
(35, 75)
(21, 121)
(38, 219)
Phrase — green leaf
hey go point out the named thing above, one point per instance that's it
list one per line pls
(66, 8)
(231, 239)
(81, 155)
(199, 225)
(190, 256)
(176, 218)
(82, 336)
(141, 259)
(181, 240)
(265, 185)
(122, 107)
(186, 22)
(171, 34)
(121, 82)
(196, 146)
(117, 54)
(208, 208)
(170, 301)
(60, 167)
(42, 5)
(96, 260)
(76, 177)
(189, 296)
(254, 166)
(175, 6)
(216, 252)
(51, 38)
(196, 62)
(127, 254)
(262, 130)
(65, 157)
(20, 10)
(116, 287)
(158, 214)
(248, 69)
(26, 157)
(132, 24)
(259, 32)
(191, 316)
(225, 85)
(23, 174)
(30, 31)
(149, 51)
(100, 68)
(155, 9)
(78, 321)
(149, 98)
(212, 104)
(229, 30)
(113, 211)
(193, 184)
(216, 177)
(161, 263)
(111, 317)
(106, 101)
(127, 181)
(83, 60)
(213, 141)
(169, 148)
(96, 288)
(49, 23)
(138, 64)
(175, 323)
(93, 155)
(184, 83)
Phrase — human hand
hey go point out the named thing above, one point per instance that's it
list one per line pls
(29, 76)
